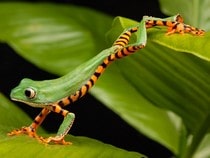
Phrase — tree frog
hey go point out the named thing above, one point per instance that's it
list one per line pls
(54, 95)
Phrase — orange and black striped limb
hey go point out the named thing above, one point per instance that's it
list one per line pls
(175, 26)
(124, 38)
(39, 118)
(31, 130)
(57, 109)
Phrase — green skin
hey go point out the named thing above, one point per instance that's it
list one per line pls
(50, 91)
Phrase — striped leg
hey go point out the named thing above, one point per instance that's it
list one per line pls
(153, 21)
(124, 37)
(123, 49)
(174, 24)
(31, 130)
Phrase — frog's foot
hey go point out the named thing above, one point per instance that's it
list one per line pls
(56, 140)
(25, 130)
(184, 28)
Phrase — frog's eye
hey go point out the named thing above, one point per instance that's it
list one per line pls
(30, 93)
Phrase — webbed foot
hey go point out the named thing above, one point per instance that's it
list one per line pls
(56, 140)
(27, 131)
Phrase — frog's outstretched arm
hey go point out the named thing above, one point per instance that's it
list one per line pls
(174, 24)
(53, 95)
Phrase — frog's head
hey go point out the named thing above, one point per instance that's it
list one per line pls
(27, 92)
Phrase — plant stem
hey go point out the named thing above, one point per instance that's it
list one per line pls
(197, 138)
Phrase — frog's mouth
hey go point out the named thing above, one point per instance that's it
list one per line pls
(30, 103)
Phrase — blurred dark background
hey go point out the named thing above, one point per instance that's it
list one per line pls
(93, 119)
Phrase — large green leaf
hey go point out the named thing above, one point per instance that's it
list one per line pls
(172, 80)
(61, 30)
(23, 146)
(195, 12)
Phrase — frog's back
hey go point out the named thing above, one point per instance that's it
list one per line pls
(67, 85)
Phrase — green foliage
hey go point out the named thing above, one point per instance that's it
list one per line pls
(162, 90)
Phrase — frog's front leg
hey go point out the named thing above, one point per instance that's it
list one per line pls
(64, 127)
(31, 130)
